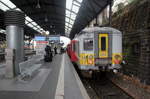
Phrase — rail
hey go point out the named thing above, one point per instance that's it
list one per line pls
(100, 87)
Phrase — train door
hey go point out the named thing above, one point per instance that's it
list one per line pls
(103, 45)
(87, 50)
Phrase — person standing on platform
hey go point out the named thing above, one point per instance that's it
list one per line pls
(48, 56)
(55, 49)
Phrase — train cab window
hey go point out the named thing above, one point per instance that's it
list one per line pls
(88, 44)
(103, 43)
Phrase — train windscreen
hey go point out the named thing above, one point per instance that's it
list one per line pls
(103, 43)
(88, 44)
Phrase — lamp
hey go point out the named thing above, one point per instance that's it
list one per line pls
(38, 5)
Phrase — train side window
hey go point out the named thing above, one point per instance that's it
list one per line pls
(88, 44)
(74, 47)
(103, 43)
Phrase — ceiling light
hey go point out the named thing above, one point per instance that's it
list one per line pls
(38, 5)
(47, 32)
(51, 26)
(46, 19)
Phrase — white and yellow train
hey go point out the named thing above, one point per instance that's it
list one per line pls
(97, 48)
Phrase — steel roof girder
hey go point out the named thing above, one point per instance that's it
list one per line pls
(72, 11)
(77, 2)
(76, 5)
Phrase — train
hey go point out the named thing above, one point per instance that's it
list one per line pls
(97, 49)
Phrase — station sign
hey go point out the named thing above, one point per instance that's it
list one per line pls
(54, 38)
(40, 44)
(40, 38)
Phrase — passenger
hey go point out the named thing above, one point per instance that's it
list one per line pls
(48, 57)
(55, 49)
(62, 50)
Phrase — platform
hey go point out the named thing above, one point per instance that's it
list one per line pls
(55, 80)
(74, 88)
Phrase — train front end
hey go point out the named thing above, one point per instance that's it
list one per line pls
(108, 49)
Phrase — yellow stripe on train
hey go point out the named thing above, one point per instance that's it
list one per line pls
(86, 59)
(116, 58)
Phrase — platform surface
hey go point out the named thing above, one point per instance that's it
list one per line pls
(47, 90)
(73, 88)
(60, 82)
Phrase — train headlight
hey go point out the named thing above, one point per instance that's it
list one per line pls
(117, 59)
(91, 59)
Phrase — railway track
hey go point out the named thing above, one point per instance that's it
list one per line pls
(103, 88)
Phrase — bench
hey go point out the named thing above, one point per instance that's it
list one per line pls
(27, 68)
(2, 65)
(37, 58)
(2, 69)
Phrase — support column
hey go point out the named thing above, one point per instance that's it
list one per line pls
(110, 12)
(14, 21)
(99, 19)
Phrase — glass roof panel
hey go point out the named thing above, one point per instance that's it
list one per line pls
(8, 3)
(71, 22)
(38, 26)
(80, 0)
(34, 23)
(76, 3)
(28, 19)
(3, 7)
(73, 16)
(30, 25)
(75, 9)
(26, 22)
(69, 25)
(18, 9)
(67, 19)
(71, 5)
(34, 28)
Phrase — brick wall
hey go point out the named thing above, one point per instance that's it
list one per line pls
(134, 22)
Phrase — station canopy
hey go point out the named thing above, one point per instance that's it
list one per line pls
(53, 16)
(41, 16)
(89, 9)
(49, 14)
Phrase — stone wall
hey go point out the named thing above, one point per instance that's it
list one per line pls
(134, 22)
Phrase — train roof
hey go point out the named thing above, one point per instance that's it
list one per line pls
(98, 29)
